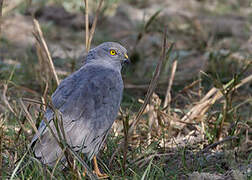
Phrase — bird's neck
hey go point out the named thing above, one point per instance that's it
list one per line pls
(106, 64)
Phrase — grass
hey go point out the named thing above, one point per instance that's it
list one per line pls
(204, 126)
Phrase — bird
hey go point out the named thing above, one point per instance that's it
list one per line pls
(88, 102)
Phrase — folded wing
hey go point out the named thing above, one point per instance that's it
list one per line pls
(88, 102)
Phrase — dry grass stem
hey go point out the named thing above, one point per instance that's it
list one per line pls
(43, 98)
(88, 170)
(86, 25)
(23, 88)
(208, 100)
(34, 101)
(223, 119)
(141, 159)
(91, 34)
(200, 86)
(57, 162)
(52, 132)
(152, 85)
(5, 100)
(229, 138)
(1, 15)
(186, 88)
(168, 92)
(21, 123)
(28, 116)
(42, 44)
(1, 143)
(150, 91)
(44, 71)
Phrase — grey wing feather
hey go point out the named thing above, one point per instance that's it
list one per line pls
(59, 97)
(89, 101)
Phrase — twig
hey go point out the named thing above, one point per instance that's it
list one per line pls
(42, 44)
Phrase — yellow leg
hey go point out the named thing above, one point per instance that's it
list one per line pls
(97, 171)
(84, 173)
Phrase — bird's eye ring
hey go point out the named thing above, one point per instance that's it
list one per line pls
(113, 52)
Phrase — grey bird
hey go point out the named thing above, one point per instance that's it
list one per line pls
(88, 101)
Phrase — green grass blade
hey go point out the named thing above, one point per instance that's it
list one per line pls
(147, 170)
(18, 165)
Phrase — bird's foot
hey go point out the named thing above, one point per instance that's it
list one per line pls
(97, 170)
(84, 173)
(100, 175)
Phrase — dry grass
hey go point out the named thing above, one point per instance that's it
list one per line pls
(1, 9)
(89, 34)
(170, 135)
(43, 52)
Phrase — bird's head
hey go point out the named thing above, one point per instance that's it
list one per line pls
(109, 52)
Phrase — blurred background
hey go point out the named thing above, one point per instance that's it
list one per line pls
(197, 123)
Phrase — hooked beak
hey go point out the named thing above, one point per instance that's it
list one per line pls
(126, 60)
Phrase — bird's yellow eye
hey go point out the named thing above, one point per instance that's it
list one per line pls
(112, 52)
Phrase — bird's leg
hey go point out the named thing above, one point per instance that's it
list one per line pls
(97, 171)
(84, 172)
